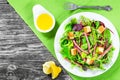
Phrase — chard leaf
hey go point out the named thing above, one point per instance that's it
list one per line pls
(91, 40)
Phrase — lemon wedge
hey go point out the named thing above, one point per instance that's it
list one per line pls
(55, 71)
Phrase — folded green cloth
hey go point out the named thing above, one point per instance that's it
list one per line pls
(24, 9)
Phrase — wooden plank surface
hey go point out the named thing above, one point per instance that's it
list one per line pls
(3, 1)
(21, 53)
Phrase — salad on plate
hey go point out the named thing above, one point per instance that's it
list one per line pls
(87, 43)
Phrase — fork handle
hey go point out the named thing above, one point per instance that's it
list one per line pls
(107, 8)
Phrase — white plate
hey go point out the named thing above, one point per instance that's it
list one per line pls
(76, 71)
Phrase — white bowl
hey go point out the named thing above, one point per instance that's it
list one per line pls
(37, 10)
(76, 71)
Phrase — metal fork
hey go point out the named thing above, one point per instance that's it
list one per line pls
(72, 6)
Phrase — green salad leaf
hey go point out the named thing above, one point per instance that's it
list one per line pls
(65, 51)
(97, 24)
(68, 27)
(74, 21)
(107, 34)
(84, 55)
(85, 21)
(84, 46)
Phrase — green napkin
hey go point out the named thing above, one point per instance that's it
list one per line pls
(24, 9)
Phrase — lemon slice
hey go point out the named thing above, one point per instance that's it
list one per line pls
(47, 67)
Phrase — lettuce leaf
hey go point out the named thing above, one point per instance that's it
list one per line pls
(68, 27)
(86, 21)
(107, 34)
(84, 46)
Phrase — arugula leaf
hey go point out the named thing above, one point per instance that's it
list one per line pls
(73, 58)
(77, 40)
(107, 34)
(93, 39)
(110, 54)
(101, 65)
(97, 24)
(77, 36)
(79, 59)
